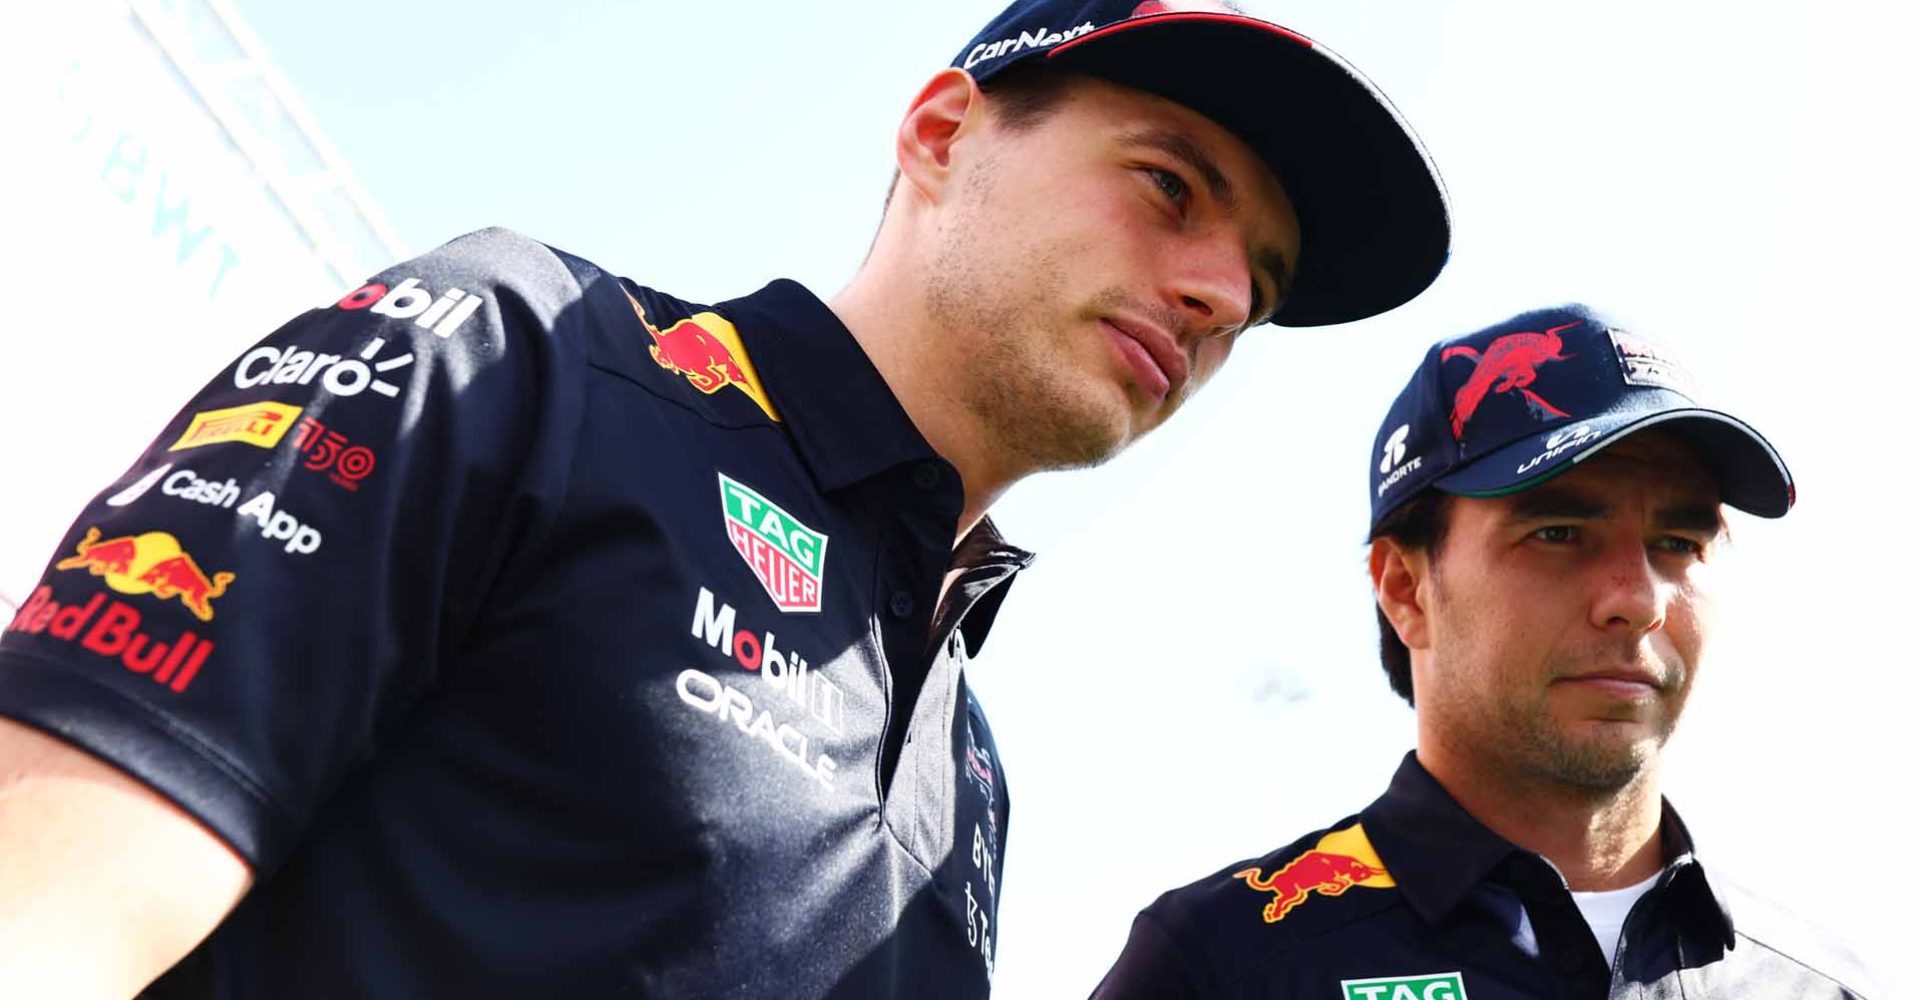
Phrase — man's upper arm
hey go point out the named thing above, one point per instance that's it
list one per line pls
(88, 855)
(240, 622)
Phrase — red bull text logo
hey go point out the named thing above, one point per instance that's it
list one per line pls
(259, 424)
(1341, 860)
(1510, 364)
(788, 557)
(149, 563)
(706, 350)
(114, 633)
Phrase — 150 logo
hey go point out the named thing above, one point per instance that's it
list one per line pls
(345, 463)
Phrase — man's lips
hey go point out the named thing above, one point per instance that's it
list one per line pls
(1159, 366)
(1618, 683)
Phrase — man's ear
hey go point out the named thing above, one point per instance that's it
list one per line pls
(947, 109)
(1400, 577)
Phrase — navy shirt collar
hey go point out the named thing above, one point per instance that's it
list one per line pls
(1439, 854)
(844, 420)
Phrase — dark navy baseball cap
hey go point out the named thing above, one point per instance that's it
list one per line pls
(1509, 407)
(1374, 227)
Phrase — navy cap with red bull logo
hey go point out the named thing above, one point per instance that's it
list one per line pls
(1513, 405)
(1374, 225)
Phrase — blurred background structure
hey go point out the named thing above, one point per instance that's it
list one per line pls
(168, 200)
(1187, 676)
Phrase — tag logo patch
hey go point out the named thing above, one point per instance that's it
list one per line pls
(1433, 986)
(785, 555)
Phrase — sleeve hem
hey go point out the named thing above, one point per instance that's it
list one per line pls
(164, 755)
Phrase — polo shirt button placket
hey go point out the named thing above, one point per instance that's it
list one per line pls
(900, 605)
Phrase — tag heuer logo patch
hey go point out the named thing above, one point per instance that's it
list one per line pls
(1433, 986)
(786, 555)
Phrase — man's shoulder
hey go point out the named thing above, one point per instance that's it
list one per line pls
(1760, 922)
(1252, 911)
(680, 351)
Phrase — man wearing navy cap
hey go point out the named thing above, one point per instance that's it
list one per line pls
(1547, 500)
(506, 628)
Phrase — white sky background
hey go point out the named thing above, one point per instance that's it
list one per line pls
(1187, 676)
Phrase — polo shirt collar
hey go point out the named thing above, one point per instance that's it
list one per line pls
(1438, 853)
(845, 421)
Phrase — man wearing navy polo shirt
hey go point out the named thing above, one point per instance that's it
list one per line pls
(508, 628)
(1546, 509)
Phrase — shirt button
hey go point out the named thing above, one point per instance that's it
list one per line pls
(926, 475)
(901, 604)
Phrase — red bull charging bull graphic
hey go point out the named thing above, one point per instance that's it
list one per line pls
(1340, 861)
(149, 563)
(706, 350)
(1509, 364)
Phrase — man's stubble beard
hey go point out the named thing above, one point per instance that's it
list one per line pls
(1517, 736)
(1001, 354)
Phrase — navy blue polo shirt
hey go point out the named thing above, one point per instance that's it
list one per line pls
(1414, 899)
(535, 633)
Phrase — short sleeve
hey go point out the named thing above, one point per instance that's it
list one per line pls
(291, 565)
(1149, 968)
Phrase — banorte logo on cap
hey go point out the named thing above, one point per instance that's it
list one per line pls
(1511, 363)
(1395, 449)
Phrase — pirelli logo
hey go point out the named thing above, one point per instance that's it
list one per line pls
(259, 424)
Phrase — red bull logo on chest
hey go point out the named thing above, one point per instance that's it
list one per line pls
(787, 556)
(706, 350)
(1340, 861)
(149, 563)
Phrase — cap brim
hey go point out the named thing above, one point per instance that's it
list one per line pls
(1751, 475)
(1373, 211)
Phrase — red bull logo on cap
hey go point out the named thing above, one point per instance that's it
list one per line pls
(1340, 861)
(149, 563)
(706, 350)
(1510, 364)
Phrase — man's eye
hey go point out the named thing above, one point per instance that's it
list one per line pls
(1169, 183)
(1556, 533)
(1680, 546)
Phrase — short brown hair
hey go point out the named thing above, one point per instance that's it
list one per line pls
(1420, 525)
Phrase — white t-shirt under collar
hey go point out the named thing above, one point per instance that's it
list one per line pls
(1606, 912)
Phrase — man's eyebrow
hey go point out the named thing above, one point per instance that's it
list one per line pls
(1702, 518)
(1551, 502)
(1192, 154)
